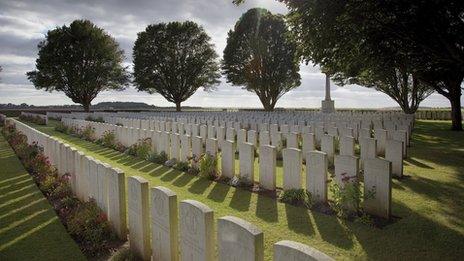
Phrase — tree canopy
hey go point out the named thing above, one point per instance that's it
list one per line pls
(261, 57)
(80, 60)
(174, 60)
(352, 38)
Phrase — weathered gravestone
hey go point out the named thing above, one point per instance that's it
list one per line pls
(286, 250)
(246, 162)
(117, 202)
(139, 222)
(309, 144)
(328, 146)
(196, 231)
(368, 148)
(377, 187)
(316, 175)
(185, 147)
(347, 146)
(394, 154)
(228, 159)
(164, 222)
(175, 146)
(239, 240)
(292, 168)
(267, 166)
(292, 140)
(346, 169)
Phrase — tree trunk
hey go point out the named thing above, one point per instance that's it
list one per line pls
(268, 107)
(456, 114)
(178, 106)
(86, 106)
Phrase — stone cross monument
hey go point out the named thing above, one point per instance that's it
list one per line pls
(328, 105)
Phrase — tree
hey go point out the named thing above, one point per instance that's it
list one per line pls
(261, 57)
(426, 35)
(174, 60)
(400, 85)
(80, 60)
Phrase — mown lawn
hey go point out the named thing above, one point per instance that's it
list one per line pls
(29, 227)
(429, 204)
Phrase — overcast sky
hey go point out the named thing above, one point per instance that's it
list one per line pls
(24, 23)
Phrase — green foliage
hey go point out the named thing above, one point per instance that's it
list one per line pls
(89, 225)
(108, 139)
(80, 60)
(422, 39)
(297, 197)
(174, 60)
(182, 166)
(160, 158)
(88, 133)
(60, 127)
(208, 166)
(261, 57)
(347, 198)
(85, 222)
(141, 149)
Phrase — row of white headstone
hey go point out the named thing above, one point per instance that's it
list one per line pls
(89, 178)
(154, 230)
(185, 231)
(258, 122)
(31, 114)
(182, 147)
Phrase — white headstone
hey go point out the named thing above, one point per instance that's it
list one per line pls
(239, 240)
(196, 231)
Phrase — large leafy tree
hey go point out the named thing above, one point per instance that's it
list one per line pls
(425, 36)
(80, 60)
(261, 57)
(175, 60)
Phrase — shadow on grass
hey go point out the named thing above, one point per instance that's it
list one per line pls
(298, 220)
(219, 192)
(416, 163)
(266, 208)
(240, 200)
(199, 186)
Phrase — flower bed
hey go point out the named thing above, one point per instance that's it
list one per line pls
(84, 221)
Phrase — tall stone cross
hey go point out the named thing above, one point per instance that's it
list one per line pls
(328, 105)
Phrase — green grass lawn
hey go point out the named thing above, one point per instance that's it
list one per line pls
(29, 227)
(430, 203)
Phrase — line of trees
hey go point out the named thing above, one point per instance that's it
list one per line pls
(405, 49)
(172, 59)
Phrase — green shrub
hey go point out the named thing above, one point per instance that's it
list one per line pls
(182, 166)
(208, 166)
(297, 197)
(160, 158)
(48, 184)
(348, 197)
(62, 189)
(88, 133)
(141, 149)
(89, 226)
(60, 127)
(108, 139)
